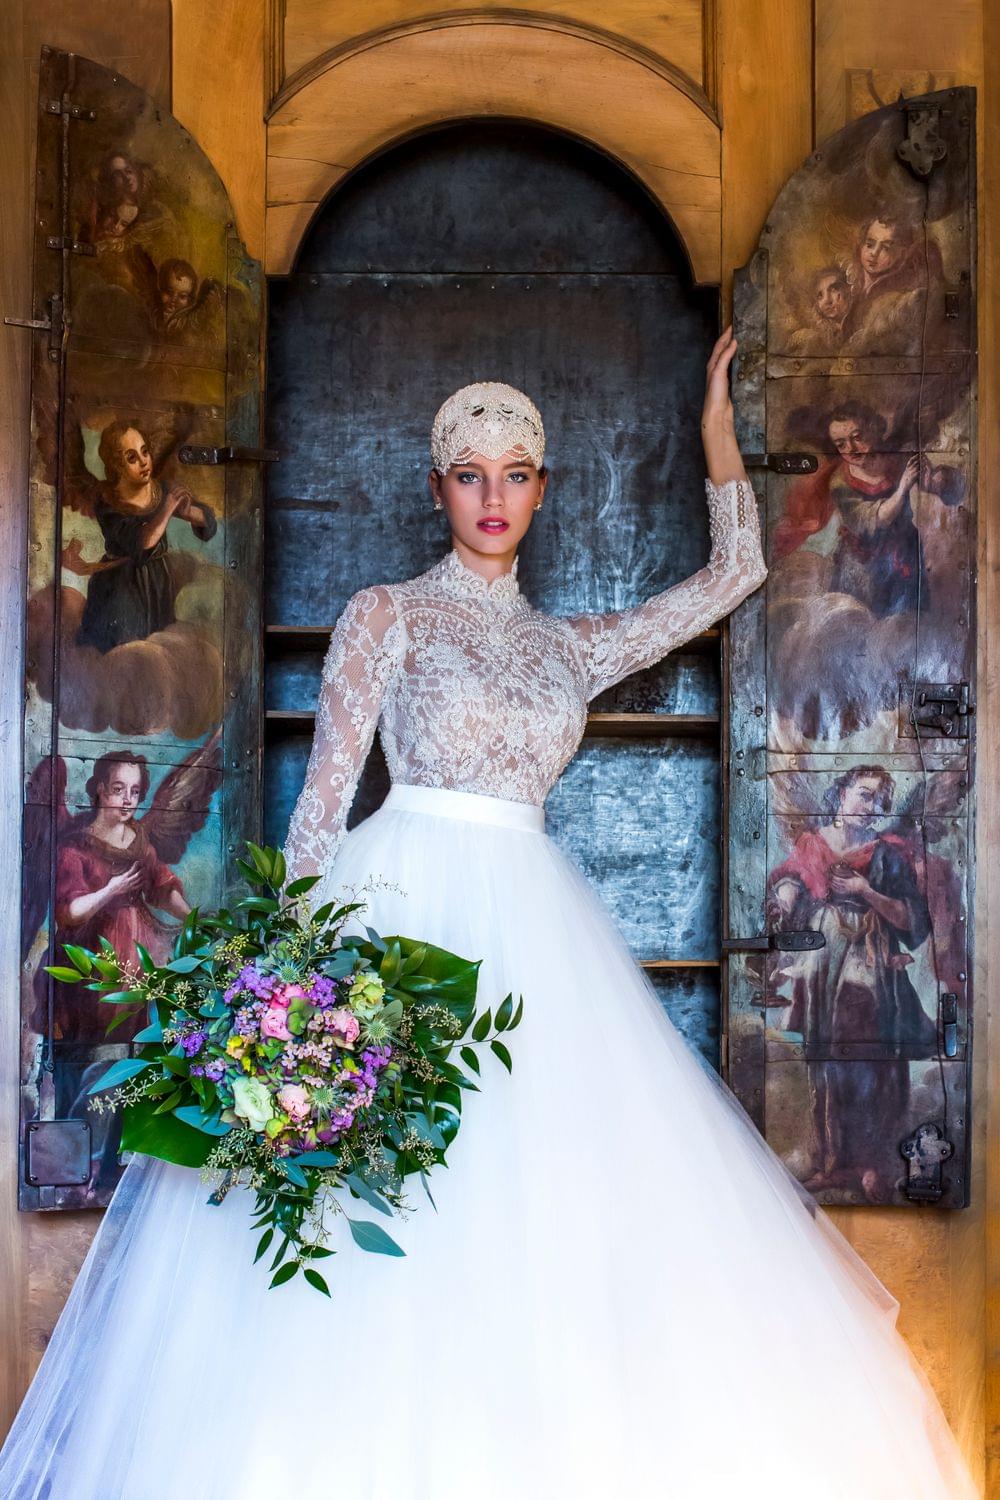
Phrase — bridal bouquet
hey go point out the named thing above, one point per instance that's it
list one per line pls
(288, 1057)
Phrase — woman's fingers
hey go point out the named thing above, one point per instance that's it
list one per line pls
(722, 350)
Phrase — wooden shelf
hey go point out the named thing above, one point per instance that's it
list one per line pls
(316, 638)
(679, 963)
(287, 721)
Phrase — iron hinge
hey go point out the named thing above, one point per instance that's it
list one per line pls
(783, 463)
(949, 1024)
(935, 710)
(54, 325)
(925, 1151)
(63, 107)
(192, 455)
(76, 247)
(796, 941)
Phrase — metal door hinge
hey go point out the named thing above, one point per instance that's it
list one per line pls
(935, 709)
(55, 325)
(192, 455)
(783, 463)
(63, 107)
(799, 941)
(77, 247)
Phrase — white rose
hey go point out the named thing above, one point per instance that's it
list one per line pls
(252, 1102)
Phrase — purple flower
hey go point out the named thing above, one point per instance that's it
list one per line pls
(193, 1042)
(214, 1070)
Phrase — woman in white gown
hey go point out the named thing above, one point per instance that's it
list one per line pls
(622, 1291)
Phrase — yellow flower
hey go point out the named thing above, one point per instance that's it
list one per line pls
(235, 1045)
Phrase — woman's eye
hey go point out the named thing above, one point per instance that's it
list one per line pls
(521, 478)
(469, 474)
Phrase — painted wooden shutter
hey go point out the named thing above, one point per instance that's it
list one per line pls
(851, 674)
(146, 354)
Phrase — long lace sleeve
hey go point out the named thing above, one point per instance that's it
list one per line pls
(364, 652)
(615, 645)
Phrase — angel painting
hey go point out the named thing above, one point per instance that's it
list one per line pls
(186, 308)
(132, 589)
(864, 888)
(114, 877)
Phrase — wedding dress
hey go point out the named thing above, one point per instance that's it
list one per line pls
(621, 1290)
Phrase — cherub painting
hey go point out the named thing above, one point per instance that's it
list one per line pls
(132, 590)
(141, 632)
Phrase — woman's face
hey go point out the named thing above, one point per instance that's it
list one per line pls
(881, 248)
(119, 796)
(136, 459)
(831, 297)
(489, 502)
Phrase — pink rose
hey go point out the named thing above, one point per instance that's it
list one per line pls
(294, 1100)
(344, 1024)
(284, 994)
(272, 1024)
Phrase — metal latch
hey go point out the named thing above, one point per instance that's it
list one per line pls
(783, 463)
(932, 709)
(794, 941)
(922, 147)
(76, 247)
(925, 1151)
(192, 455)
(949, 1024)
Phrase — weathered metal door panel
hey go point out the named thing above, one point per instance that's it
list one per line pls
(851, 677)
(142, 671)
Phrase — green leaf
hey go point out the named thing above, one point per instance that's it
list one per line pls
(316, 1280)
(120, 997)
(501, 1051)
(481, 1029)
(65, 976)
(314, 1159)
(517, 1014)
(293, 1173)
(502, 1019)
(185, 965)
(359, 1186)
(163, 1136)
(125, 1067)
(80, 957)
(371, 1237)
(257, 903)
(151, 1033)
(299, 887)
(470, 1059)
(279, 870)
(170, 1103)
(285, 1274)
(210, 1124)
(147, 963)
(263, 1243)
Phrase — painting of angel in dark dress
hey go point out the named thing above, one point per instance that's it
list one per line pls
(132, 591)
(864, 889)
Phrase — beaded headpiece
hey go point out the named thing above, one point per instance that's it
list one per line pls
(488, 418)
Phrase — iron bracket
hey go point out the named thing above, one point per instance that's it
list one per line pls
(798, 941)
(925, 1151)
(783, 463)
(935, 710)
(922, 147)
(190, 454)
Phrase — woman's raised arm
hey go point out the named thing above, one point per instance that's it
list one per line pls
(615, 645)
(365, 649)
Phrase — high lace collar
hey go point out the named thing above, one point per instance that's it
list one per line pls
(456, 579)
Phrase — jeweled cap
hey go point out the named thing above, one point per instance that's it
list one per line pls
(490, 418)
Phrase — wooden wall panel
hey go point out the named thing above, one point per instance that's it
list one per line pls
(866, 54)
(220, 57)
(313, 27)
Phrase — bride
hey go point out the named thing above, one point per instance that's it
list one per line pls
(622, 1291)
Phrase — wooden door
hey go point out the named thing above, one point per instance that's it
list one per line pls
(141, 718)
(500, 251)
(851, 686)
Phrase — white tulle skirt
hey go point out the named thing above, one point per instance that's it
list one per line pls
(622, 1291)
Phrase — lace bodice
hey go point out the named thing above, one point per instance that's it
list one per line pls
(472, 688)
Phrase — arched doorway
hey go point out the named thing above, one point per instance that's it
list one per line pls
(502, 250)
